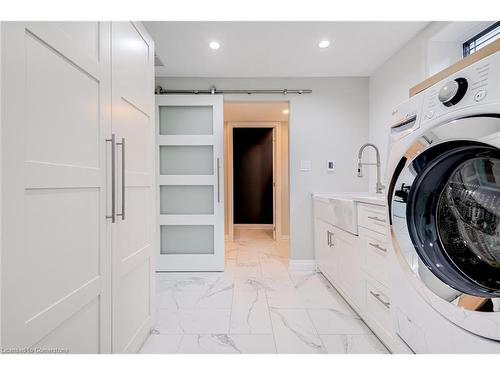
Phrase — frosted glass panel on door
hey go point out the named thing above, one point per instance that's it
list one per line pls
(187, 200)
(187, 239)
(186, 160)
(186, 120)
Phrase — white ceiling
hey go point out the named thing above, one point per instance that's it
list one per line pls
(276, 49)
(255, 111)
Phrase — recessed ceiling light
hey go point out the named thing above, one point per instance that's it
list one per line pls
(324, 44)
(285, 111)
(214, 45)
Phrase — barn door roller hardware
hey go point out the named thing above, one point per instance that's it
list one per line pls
(213, 90)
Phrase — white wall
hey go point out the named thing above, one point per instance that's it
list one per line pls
(433, 49)
(330, 123)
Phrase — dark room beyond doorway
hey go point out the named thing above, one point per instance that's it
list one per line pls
(253, 175)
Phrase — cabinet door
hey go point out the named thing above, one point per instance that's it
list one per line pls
(56, 266)
(320, 244)
(350, 276)
(133, 230)
(326, 257)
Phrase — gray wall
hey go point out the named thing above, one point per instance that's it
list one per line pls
(433, 49)
(389, 86)
(330, 123)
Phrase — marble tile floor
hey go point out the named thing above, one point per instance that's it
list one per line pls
(257, 306)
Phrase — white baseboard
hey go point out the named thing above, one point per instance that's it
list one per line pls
(302, 265)
(253, 226)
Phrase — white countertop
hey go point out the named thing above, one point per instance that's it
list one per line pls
(362, 197)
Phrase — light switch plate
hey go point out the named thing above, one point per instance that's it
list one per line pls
(305, 165)
(330, 165)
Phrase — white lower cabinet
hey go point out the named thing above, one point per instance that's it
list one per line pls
(374, 250)
(411, 332)
(378, 309)
(338, 257)
(349, 260)
(357, 265)
(326, 252)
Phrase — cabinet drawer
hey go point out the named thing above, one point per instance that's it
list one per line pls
(378, 308)
(411, 333)
(372, 217)
(375, 255)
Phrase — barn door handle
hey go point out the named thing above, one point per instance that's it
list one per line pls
(218, 180)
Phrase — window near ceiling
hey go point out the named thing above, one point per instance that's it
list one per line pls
(485, 37)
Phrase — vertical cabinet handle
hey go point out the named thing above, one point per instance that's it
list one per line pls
(122, 143)
(218, 180)
(113, 178)
(329, 237)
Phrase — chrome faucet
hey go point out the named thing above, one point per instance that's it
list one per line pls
(360, 165)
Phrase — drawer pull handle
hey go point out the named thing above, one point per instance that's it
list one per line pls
(377, 296)
(376, 218)
(377, 246)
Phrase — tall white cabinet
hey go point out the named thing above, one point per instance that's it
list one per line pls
(77, 156)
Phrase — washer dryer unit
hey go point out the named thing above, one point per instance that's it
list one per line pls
(444, 209)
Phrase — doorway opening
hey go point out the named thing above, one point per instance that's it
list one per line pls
(256, 178)
(253, 178)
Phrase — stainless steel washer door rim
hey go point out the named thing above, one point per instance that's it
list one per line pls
(453, 217)
(443, 202)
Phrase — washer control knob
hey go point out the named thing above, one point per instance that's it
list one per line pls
(453, 91)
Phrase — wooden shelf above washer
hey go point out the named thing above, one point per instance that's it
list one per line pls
(469, 60)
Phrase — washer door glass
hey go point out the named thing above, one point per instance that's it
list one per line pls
(453, 216)
(468, 219)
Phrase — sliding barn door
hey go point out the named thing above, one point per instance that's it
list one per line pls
(190, 202)
(56, 269)
(133, 139)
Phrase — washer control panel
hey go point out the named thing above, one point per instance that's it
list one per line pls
(476, 84)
